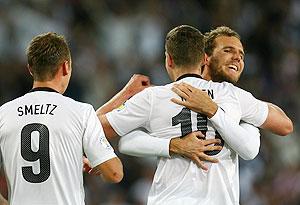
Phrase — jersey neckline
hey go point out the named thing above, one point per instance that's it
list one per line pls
(189, 75)
(43, 89)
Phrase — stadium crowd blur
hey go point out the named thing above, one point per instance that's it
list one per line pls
(113, 39)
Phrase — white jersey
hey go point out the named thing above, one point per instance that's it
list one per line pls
(43, 136)
(178, 180)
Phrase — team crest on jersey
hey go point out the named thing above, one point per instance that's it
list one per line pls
(121, 107)
(105, 143)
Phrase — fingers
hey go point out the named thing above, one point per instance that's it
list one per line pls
(199, 134)
(179, 92)
(183, 89)
(211, 141)
(207, 158)
(188, 86)
(213, 148)
(179, 102)
(200, 163)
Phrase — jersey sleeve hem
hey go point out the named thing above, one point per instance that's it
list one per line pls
(113, 124)
(103, 159)
(265, 112)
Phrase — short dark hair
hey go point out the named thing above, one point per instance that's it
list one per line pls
(45, 53)
(209, 39)
(185, 45)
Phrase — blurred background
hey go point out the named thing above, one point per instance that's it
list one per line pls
(113, 39)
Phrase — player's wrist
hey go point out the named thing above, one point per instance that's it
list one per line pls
(212, 109)
(174, 147)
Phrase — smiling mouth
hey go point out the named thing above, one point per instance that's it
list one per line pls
(233, 67)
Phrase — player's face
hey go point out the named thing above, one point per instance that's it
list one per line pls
(227, 60)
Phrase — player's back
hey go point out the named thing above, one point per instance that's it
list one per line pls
(41, 143)
(178, 180)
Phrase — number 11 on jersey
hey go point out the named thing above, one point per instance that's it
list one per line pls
(184, 118)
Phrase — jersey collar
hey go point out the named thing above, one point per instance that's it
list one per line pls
(42, 89)
(189, 75)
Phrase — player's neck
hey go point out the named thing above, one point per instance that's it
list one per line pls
(182, 71)
(206, 74)
(49, 84)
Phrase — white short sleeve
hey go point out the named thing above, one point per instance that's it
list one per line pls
(132, 114)
(254, 111)
(95, 144)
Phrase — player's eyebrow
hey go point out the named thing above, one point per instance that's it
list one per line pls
(231, 47)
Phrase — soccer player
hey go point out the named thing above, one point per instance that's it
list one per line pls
(224, 61)
(178, 180)
(44, 135)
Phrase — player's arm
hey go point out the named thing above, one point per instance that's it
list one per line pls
(136, 84)
(98, 151)
(262, 114)
(138, 143)
(3, 201)
(277, 121)
(106, 170)
(109, 170)
(141, 144)
(244, 139)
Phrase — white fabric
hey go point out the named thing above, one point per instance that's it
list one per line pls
(140, 144)
(178, 180)
(74, 129)
(243, 139)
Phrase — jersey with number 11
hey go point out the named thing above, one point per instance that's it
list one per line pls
(43, 136)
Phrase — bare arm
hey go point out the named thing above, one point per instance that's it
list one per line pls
(110, 170)
(277, 121)
(136, 84)
(107, 128)
(3, 201)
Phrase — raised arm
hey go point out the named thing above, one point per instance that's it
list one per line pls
(136, 84)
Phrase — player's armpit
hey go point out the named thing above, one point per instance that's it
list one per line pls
(110, 170)
(277, 121)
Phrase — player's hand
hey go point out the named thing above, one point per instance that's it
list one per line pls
(136, 84)
(86, 165)
(193, 147)
(195, 99)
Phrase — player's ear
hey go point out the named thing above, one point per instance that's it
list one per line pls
(29, 70)
(66, 68)
(169, 60)
(206, 59)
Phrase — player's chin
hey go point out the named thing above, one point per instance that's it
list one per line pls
(232, 78)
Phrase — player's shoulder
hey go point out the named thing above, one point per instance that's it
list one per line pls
(76, 104)
(161, 89)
